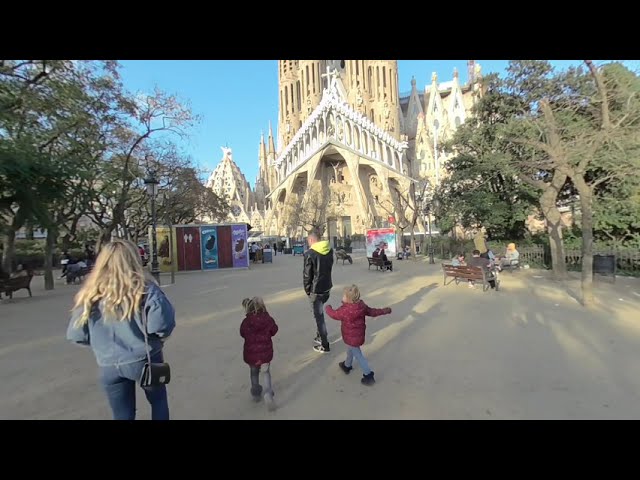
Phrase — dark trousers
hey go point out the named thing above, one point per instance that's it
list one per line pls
(119, 383)
(317, 307)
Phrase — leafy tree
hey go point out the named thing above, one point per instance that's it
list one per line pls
(129, 144)
(496, 176)
(481, 187)
(43, 106)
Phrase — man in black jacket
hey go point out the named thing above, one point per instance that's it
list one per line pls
(477, 261)
(316, 278)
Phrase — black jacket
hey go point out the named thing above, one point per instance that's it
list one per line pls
(318, 262)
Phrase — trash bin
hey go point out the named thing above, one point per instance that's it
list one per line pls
(605, 265)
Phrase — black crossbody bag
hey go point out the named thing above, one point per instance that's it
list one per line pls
(153, 374)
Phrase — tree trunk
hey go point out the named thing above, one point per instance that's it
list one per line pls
(9, 250)
(29, 233)
(66, 242)
(104, 237)
(413, 243)
(48, 259)
(586, 205)
(558, 259)
(548, 203)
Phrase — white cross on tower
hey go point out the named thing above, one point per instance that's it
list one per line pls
(332, 78)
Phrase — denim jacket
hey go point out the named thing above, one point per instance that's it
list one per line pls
(120, 342)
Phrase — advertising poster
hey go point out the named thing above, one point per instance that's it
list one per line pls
(167, 248)
(239, 246)
(382, 238)
(209, 239)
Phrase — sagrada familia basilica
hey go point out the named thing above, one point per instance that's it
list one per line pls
(348, 147)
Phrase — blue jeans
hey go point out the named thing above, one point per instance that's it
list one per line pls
(119, 382)
(355, 352)
(256, 388)
(317, 301)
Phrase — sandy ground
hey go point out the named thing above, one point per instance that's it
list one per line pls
(526, 352)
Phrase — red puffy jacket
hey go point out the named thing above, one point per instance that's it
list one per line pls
(257, 330)
(352, 316)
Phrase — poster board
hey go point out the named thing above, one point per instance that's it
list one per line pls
(167, 248)
(209, 247)
(240, 246)
(383, 238)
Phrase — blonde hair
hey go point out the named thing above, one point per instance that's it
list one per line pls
(253, 305)
(117, 279)
(352, 293)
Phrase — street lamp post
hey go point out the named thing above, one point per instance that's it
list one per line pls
(427, 214)
(168, 220)
(151, 182)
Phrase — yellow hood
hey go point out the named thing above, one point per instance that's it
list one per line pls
(322, 247)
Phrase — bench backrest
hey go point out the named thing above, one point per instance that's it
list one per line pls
(467, 272)
(20, 282)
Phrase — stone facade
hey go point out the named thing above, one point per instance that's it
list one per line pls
(349, 147)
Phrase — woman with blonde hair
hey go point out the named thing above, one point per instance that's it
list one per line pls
(116, 308)
(511, 257)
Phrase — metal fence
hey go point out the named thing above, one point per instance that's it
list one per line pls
(627, 260)
(539, 256)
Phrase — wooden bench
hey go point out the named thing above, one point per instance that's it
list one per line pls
(468, 273)
(79, 275)
(10, 285)
(342, 255)
(379, 264)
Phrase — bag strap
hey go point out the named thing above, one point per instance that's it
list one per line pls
(143, 314)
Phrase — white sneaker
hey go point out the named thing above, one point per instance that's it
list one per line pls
(271, 404)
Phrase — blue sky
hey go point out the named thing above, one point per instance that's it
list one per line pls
(238, 98)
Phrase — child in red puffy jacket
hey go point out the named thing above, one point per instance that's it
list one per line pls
(352, 314)
(257, 328)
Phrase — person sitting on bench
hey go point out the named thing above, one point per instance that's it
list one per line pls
(484, 263)
(20, 272)
(73, 270)
(385, 260)
(458, 261)
(511, 257)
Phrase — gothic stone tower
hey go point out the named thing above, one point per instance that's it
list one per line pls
(370, 87)
(341, 160)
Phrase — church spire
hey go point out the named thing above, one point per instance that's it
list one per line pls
(272, 147)
(263, 148)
